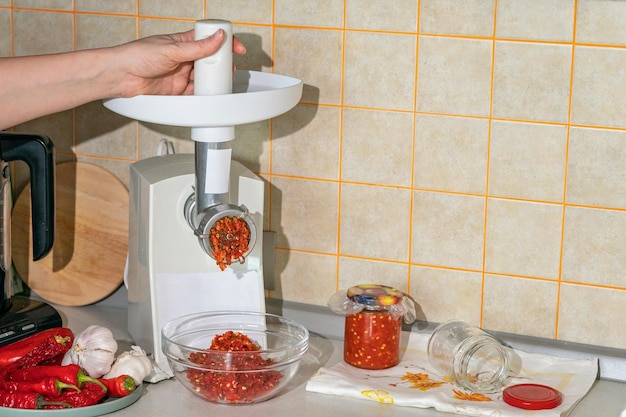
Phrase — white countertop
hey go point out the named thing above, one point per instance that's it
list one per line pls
(170, 398)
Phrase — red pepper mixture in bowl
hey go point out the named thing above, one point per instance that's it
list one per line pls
(249, 380)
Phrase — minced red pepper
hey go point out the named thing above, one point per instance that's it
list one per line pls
(372, 339)
(229, 238)
(222, 385)
(234, 342)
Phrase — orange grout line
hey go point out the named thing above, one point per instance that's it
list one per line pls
(137, 125)
(151, 17)
(270, 178)
(413, 147)
(447, 192)
(74, 115)
(91, 156)
(470, 116)
(450, 268)
(41, 9)
(325, 28)
(340, 167)
(270, 194)
(138, 19)
(565, 171)
(12, 28)
(488, 164)
(74, 27)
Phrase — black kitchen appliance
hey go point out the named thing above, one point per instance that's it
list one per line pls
(21, 316)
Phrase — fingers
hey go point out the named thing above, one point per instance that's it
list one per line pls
(238, 47)
(187, 36)
(217, 38)
(191, 49)
(212, 43)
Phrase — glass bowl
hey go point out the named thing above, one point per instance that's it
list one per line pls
(234, 377)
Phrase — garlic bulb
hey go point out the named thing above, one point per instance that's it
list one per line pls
(94, 350)
(134, 363)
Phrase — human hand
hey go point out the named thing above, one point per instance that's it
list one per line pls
(163, 64)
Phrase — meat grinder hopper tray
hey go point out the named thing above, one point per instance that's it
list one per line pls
(256, 96)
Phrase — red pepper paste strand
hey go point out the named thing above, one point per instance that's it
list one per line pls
(229, 237)
(233, 387)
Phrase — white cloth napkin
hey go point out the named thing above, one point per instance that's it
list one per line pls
(414, 383)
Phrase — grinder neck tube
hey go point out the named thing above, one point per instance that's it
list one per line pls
(212, 173)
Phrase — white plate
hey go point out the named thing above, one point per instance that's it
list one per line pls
(108, 406)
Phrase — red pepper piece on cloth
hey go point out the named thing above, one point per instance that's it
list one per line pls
(27, 400)
(38, 348)
(119, 386)
(90, 394)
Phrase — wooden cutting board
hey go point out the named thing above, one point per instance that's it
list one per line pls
(87, 261)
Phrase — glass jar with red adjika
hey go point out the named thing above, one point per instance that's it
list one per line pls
(373, 324)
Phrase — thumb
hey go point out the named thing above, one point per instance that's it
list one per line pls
(203, 48)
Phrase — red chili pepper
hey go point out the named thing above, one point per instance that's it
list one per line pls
(28, 400)
(38, 348)
(70, 374)
(47, 386)
(119, 386)
(91, 394)
(5, 371)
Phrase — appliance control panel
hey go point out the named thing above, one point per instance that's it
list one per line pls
(16, 331)
(26, 317)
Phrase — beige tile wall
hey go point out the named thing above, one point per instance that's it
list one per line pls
(471, 153)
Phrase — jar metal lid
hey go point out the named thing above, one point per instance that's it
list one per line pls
(532, 396)
(374, 295)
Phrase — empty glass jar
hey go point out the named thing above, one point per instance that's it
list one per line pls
(469, 356)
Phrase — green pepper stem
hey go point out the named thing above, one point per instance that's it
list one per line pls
(129, 384)
(83, 377)
(41, 402)
(60, 386)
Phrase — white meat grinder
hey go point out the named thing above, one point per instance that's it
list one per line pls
(176, 199)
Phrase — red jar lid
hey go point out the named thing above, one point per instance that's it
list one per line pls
(532, 396)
